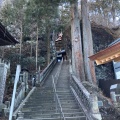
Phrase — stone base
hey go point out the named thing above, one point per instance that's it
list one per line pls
(97, 116)
(2, 106)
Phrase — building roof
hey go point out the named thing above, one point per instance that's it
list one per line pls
(108, 54)
(115, 42)
(5, 37)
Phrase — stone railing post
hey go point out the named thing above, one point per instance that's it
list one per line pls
(3, 74)
(25, 80)
(94, 107)
(113, 97)
(20, 115)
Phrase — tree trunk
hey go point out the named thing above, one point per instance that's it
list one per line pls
(77, 57)
(54, 48)
(31, 47)
(87, 43)
(37, 50)
(48, 45)
(3, 51)
(113, 12)
(21, 40)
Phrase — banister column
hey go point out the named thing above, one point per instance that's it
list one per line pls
(94, 107)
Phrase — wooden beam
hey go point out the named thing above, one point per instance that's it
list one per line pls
(107, 58)
(106, 52)
(117, 59)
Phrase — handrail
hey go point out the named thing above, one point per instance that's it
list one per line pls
(85, 92)
(20, 94)
(80, 104)
(81, 90)
(47, 70)
(19, 89)
(14, 91)
(58, 72)
(54, 82)
(88, 101)
(43, 75)
(56, 98)
(61, 110)
(23, 102)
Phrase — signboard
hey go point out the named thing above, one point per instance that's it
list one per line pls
(117, 69)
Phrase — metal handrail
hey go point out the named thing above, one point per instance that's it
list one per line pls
(47, 70)
(58, 72)
(56, 98)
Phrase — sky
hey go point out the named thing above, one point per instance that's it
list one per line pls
(1, 2)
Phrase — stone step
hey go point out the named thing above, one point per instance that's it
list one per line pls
(66, 110)
(69, 104)
(41, 99)
(42, 111)
(66, 98)
(43, 95)
(40, 102)
(76, 118)
(67, 118)
(38, 105)
(70, 107)
(43, 119)
(64, 94)
(43, 92)
(63, 91)
(68, 101)
(52, 115)
(37, 115)
(32, 108)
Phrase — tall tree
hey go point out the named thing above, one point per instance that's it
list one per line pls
(77, 56)
(105, 12)
(87, 43)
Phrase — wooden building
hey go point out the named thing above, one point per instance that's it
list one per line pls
(5, 37)
(111, 53)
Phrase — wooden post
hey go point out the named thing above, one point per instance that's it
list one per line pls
(77, 56)
(87, 43)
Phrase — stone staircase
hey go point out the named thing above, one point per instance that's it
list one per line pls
(42, 106)
(70, 108)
